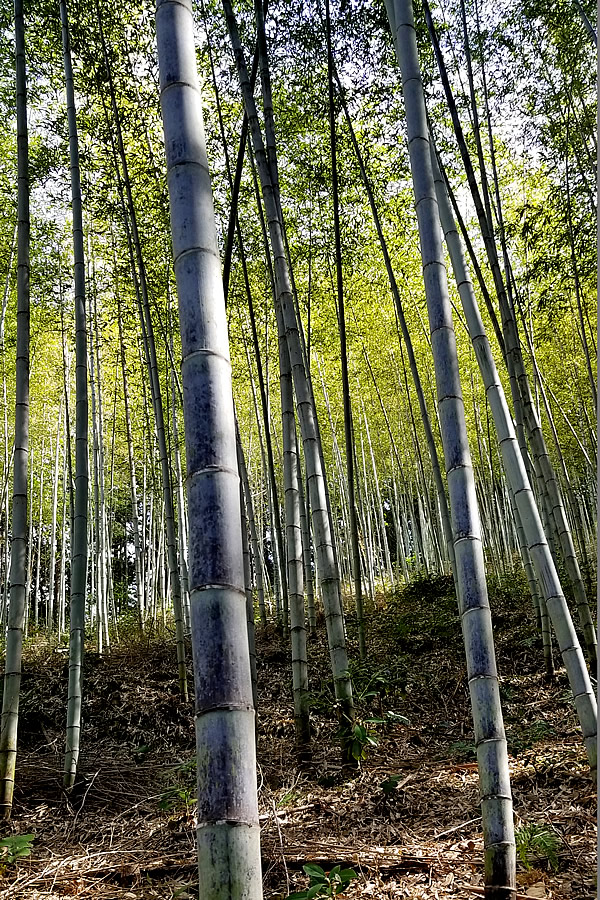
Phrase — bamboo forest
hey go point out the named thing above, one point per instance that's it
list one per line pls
(298, 347)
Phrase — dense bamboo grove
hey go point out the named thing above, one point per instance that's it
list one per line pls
(400, 404)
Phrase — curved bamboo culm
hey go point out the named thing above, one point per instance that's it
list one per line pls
(490, 739)
(525, 412)
(228, 828)
(516, 474)
(18, 547)
(79, 549)
(326, 563)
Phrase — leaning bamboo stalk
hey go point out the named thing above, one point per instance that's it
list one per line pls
(52, 561)
(341, 315)
(135, 520)
(490, 739)
(251, 517)
(306, 552)
(234, 230)
(29, 546)
(147, 325)
(541, 557)
(525, 412)
(431, 446)
(304, 400)
(295, 579)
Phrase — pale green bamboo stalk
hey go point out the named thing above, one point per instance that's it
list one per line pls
(135, 521)
(328, 569)
(251, 517)
(306, 551)
(295, 575)
(29, 544)
(38, 557)
(525, 413)
(52, 561)
(341, 314)
(18, 559)
(425, 418)
(63, 547)
(147, 325)
(248, 588)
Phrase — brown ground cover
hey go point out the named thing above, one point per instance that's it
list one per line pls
(407, 820)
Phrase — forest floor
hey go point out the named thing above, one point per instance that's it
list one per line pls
(407, 820)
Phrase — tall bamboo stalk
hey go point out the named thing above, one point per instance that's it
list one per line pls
(525, 412)
(152, 363)
(541, 557)
(341, 312)
(228, 829)
(18, 557)
(327, 565)
(490, 739)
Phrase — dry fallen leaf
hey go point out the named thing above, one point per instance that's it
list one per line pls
(537, 890)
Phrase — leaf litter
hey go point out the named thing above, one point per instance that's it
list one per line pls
(407, 820)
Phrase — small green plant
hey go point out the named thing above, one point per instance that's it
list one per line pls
(324, 884)
(390, 785)
(288, 798)
(539, 730)
(180, 791)
(15, 846)
(463, 749)
(391, 716)
(525, 738)
(175, 798)
(537, 840)
(361, 737)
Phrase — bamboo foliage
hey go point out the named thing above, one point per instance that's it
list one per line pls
(122, 547)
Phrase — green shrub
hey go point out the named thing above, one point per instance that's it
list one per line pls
(15, 846)
(324, 884)
(537, 841)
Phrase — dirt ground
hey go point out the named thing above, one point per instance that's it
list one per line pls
(407, 820)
